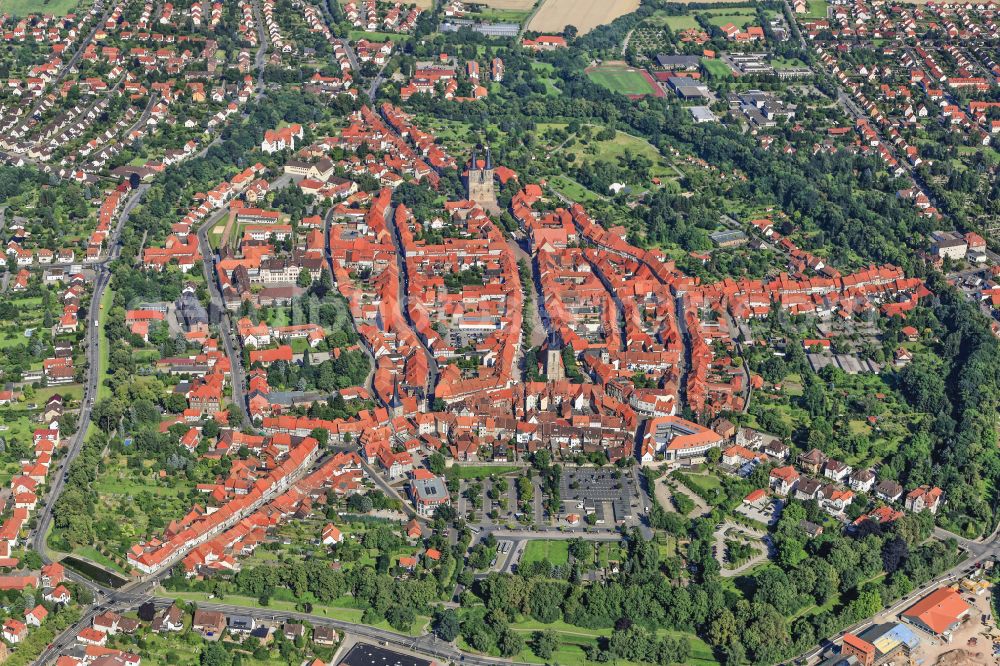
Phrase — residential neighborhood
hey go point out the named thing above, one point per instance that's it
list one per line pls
(510, 331)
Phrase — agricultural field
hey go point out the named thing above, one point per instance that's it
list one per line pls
(621, 78)
(508, 11)
(25, 7)
(585, 15)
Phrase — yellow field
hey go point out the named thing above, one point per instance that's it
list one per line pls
(511, 5)
(422, 4)
(586, 15)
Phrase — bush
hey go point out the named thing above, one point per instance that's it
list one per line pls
(682, 503)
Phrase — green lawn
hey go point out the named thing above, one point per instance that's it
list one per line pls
(159, 650)
(483, 471)
(355, 35)
(124, 484)
(716, 68)
(621, 79)
(704, 482)
(738, 17)
(67, 391)
(574, 640)
(215, 233)
(786, 63)
(816, 9)
(607, 552)
(573, 190)
(279, 317)
(555, 551)
(611, 150)
(92, 554)
(25, 7)
(337, 613)
(677, 23)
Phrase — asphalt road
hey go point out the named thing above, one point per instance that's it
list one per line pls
(978, 551)
(404, 304)
(93, 374)
(98, 23)
(427, 644)
(225, 322)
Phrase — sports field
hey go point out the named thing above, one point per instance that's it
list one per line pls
(25, 7)
(621, 79)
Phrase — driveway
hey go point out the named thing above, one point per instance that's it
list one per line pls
(761, 542)
(664, 494)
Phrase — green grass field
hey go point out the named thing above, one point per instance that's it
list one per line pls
(621, 79)
(705, 482)
(817, 9)
(785, 63)
(610, 151)
(94, 555)
(738, 17)
(677, 23)
(502, 15)
(550, 83)
(556, 552)
(484, 471)
(574, 190)
(25, 7)
(574, 640)
(335, 612)
(375, 36)
(716, 68)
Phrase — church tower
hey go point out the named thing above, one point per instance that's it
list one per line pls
(396, 408)
(480, 183)
(554, 369)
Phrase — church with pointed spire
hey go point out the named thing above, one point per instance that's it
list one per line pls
(396, 407)
(480, 183)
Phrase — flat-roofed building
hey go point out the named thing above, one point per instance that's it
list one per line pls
(365, 654)
(891, 640)
(428, 494)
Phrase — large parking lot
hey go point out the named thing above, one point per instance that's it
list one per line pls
(611, 494)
